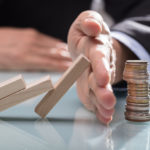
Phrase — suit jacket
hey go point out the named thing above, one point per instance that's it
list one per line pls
(55, 17)
(133, 18)
(51, 17)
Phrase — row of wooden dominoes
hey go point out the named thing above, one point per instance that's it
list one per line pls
(15, 91)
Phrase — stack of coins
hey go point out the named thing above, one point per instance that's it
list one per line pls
(138, 98)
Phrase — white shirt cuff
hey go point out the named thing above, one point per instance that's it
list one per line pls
(133, 45)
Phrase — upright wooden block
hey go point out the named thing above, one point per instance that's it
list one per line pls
(32, 90)
(11, 86)
(65, 82)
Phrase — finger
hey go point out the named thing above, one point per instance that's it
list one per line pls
(104, 96)
(89, 23)
(53, 64)
(107, 113)
(52, 53)
(103, 119)
(45, 40)
(99, 57)
(60, 54)
(100, 64)
(42, 63)
(91, 27)
(83, 91)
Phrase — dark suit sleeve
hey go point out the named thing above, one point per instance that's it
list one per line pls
(137, 24)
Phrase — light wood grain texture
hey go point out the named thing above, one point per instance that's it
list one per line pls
(11, 86)
(34, 89)
(61, 87)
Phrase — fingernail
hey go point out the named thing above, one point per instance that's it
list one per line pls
(89, 20)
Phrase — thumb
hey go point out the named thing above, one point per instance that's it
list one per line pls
(91, 27)
(89, 23)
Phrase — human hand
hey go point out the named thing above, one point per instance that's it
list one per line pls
(90, 35)
(28, 49)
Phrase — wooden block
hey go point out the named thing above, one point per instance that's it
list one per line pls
(61, 87)
(11, 86)
(32, 90)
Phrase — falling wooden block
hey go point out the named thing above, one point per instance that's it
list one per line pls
(32, 90)
(11, 86)
(61, 87)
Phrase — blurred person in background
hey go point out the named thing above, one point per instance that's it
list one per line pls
(33, 33)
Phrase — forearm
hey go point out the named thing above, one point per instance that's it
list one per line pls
(122, 54)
